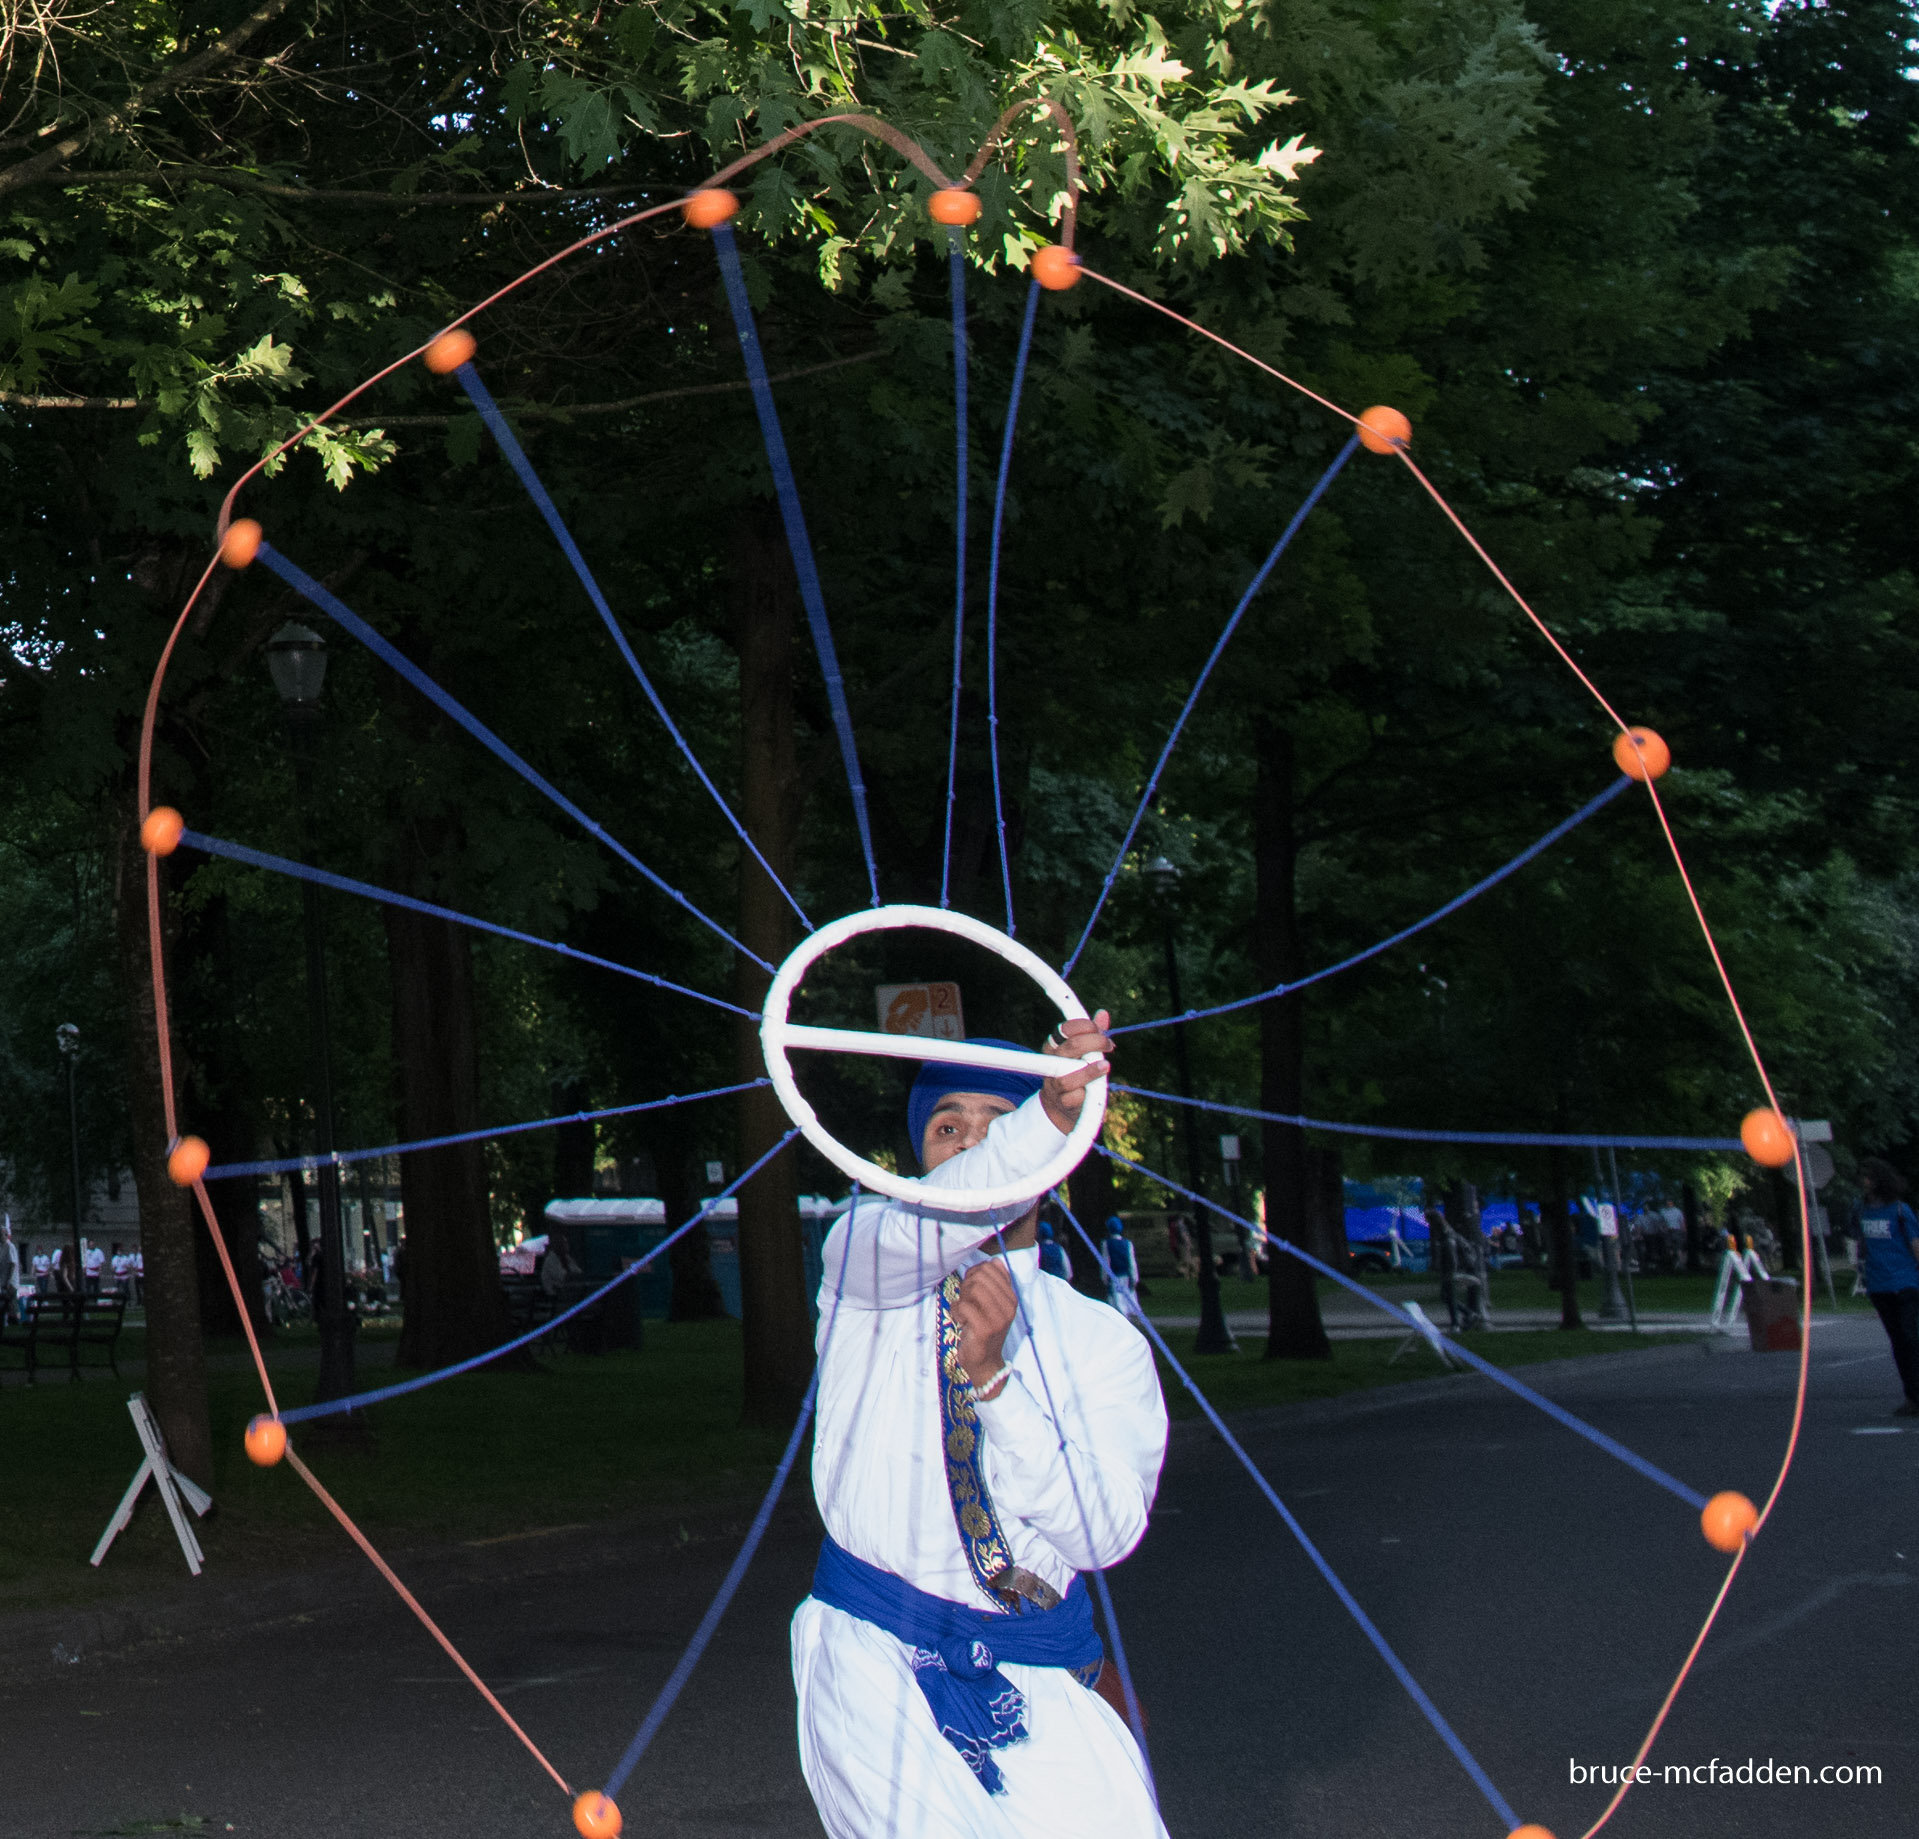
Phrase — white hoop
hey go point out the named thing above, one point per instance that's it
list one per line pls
(777, 1034)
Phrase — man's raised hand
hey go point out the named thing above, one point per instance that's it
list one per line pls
(1064, 1096)
(983, 1312)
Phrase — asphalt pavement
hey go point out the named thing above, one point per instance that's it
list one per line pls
(1540, 1591)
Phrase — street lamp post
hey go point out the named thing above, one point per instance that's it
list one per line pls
(67, 1035)
(297, 657)
(1214, 1336)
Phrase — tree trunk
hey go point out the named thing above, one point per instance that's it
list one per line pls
(1326, 1187)
(176, 1384)
(1091, 1192)
(297, 1208)
(226, 1120)
(1559, 1236)
(450, 1277)
(1695, 1249)
(696, 1293)
(573, 1148)
(776, 1324)
(1294, 1330)
(1440, 1262)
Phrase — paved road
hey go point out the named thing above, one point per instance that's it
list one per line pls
(1541, 1592)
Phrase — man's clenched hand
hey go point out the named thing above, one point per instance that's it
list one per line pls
(1064, 1096)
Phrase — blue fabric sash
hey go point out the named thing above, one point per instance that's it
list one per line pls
(957, 1651)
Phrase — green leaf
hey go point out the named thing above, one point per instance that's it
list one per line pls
(463, 440)
(584, 117)
(634, 29)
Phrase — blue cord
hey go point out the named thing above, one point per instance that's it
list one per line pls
(302, 871)
(336, 609)
(957, 260)
(1630, 1458)
(1133, 1714)
(1225, 638)
(229, 1171)
(359, 1400)
(1447, 1735)
(787, 490)
(1591, 808)
(729, 1587)
(1525, 1139)
(992, 593)
(509, 445)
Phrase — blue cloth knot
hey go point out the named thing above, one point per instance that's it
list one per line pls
(975, 1707)
(967, 1659)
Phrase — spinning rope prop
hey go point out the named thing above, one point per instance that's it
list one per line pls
(1729, 1521)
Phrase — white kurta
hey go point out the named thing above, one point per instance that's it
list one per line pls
(872, 1755)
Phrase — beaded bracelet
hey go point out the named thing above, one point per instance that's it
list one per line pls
(983, 1395)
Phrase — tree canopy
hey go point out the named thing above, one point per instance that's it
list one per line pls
(1640, 271)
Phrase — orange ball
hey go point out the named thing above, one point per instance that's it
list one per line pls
(1384, 430)
(705, 209)
(266, 1441)
(188, 1161)
(595, 1816)
(160, 834)
(954, 204)
(241, 543)
(1767, 1136)
(1055, 268)
(1641, 754)
(449, 351)
(1530, 1831)
(1728, 1521)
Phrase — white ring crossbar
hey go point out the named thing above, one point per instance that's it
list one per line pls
(777, 1035)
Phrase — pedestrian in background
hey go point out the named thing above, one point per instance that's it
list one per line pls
(1122, 1267)
(9, 1270)
(1052, 1254)
(1888, 1236)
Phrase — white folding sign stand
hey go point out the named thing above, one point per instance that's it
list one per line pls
(777, 1035)
(1727, 1297)
(1425, 1330)
(156, 1467)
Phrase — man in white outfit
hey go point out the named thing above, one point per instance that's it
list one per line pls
(985, 1434)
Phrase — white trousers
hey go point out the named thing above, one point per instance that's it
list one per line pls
(878, 1767)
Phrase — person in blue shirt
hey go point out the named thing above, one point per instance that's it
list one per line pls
(1888, 1237)
(1122, 1267)
(1052, 1254)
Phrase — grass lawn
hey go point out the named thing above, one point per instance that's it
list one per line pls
(647, 1434)
(492, 1453)
(1235, 1382)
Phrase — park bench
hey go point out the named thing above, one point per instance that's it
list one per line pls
(527, 1304)
(70, 1322)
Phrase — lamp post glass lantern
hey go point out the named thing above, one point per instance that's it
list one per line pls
(297, 657)
(1214, 1336)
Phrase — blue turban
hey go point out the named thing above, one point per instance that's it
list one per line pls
(940, 1079)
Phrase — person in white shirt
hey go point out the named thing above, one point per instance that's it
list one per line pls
(951, 1684)
(95, 1265)
(9, 1269)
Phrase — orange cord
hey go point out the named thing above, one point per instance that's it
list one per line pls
(918, 156)
(233, 1284)
(1725, 981)
(150, 715)
(1193, 325)
(413, 1603)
